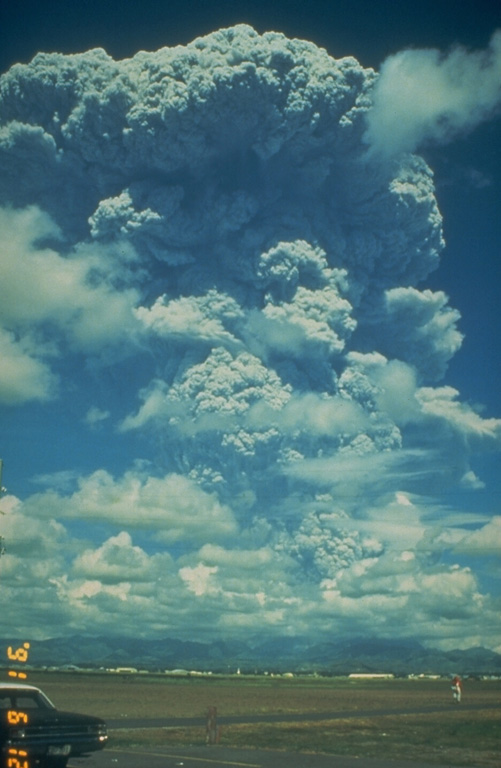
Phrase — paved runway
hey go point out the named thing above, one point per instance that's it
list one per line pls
(225, 757)
(179, 722)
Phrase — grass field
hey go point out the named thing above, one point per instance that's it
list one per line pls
(448, 737)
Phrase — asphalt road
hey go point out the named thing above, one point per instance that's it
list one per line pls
(227, 757)
(179, 722)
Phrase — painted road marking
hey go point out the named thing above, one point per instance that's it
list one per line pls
(190, 757)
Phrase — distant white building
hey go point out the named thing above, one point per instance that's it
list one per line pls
(124, 670)
(371, 675)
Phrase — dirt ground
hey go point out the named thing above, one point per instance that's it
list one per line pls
(161, 696)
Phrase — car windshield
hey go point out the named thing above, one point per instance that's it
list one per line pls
(12, 699)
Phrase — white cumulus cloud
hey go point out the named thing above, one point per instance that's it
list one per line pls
(424, 95)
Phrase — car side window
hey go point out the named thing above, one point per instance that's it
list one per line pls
(26, 702)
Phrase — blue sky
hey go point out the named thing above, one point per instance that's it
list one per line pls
(248, 309)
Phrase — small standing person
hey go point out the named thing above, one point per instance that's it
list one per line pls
(456, 689)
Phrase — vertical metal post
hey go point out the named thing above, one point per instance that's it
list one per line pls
(212, 731)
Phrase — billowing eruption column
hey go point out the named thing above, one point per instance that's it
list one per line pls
(213, 216)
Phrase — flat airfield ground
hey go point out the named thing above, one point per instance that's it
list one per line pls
(410, 720)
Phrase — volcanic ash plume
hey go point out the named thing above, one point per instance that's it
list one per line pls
(210, 214)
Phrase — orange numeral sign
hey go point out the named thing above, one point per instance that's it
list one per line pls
(14, 717)
(21, 654)
(13, 762)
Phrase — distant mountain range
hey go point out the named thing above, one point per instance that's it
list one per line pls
(286, 654)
